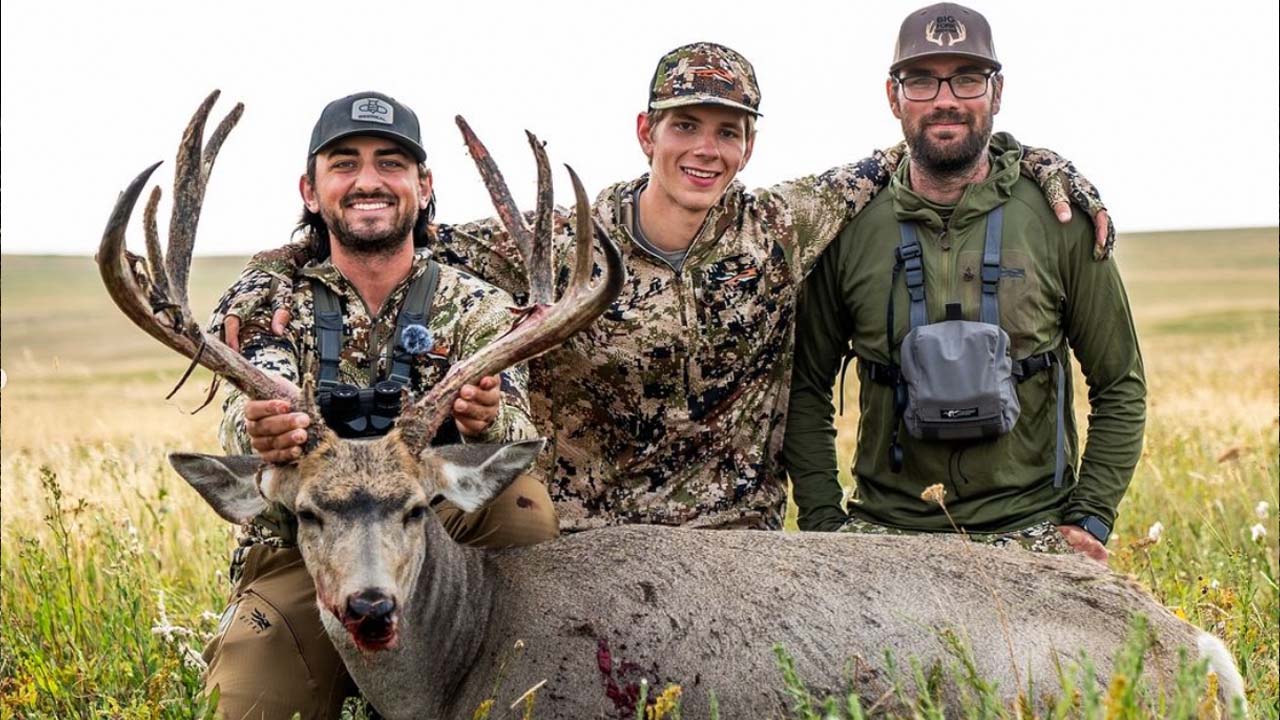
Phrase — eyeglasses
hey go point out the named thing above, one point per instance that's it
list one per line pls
(964, 86)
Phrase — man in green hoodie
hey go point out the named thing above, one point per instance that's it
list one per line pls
(1021, 486)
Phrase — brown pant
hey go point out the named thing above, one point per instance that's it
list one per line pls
(271, 657)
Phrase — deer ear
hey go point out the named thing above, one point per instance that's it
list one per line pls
(227, 483)
(472, 475)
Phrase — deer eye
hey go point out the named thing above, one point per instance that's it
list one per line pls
(415, 513)
(308, 517)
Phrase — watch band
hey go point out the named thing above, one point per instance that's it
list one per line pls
(1095, 527)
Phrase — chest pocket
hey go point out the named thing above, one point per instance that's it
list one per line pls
(743, 308)
(1019, 311)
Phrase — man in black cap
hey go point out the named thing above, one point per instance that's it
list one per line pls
(371, 318)
(959, 293)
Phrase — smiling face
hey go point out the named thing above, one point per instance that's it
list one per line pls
(694, 153)
(946, 135)
(369, 192)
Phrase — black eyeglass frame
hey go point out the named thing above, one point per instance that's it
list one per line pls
(937, 84)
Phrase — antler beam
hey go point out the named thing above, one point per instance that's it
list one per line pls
(153, 292)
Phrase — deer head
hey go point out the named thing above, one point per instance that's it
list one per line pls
(364, 524)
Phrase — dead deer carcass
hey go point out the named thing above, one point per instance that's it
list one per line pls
(429, 629)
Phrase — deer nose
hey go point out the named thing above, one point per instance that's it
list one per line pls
(371, 604)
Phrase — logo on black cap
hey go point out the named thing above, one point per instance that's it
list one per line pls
(371, 109)
(945, 27)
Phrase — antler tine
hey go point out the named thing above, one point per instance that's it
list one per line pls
(150, 304)
(540, 329)
(538, 260)
(214, 146)
(508, 214)
(188, 195)
(585, 227)
(154, 255)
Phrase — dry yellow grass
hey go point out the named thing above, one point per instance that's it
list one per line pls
(85, 401)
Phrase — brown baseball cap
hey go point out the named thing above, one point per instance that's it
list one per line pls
(944, 29)
(704, 73)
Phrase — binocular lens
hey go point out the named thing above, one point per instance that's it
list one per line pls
(386, 398)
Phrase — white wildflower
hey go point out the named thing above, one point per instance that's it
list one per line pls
(1155, 531)
(1258, 531)
(1262, 509)
(176, 635)
(1214, 584)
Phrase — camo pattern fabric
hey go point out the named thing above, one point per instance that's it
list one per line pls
(1041, 537)
(669, 409)
(1061, 182)
(466, 315)
(701, 73)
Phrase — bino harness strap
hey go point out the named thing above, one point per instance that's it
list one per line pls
(909, 263)
(372, 409)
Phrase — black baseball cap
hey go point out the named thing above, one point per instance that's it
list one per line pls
(368, 113)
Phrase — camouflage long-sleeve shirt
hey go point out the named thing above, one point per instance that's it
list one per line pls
(668, 409)
(466, 315)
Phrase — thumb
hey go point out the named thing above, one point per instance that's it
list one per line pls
(279, 320)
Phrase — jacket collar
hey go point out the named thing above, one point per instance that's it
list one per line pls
(616, 208)
(978, 199)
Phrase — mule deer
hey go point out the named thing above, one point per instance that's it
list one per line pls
(428, 628)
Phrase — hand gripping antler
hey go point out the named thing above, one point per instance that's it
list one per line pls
(542, 326)
(155, 297)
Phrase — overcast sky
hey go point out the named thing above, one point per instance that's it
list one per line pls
(1170, 107)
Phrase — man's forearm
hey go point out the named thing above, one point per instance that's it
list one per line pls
(1113, 447)
(809, 451)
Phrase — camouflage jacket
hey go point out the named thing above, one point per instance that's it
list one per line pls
(466, 314)
(669, 409)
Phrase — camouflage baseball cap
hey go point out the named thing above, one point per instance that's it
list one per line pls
(704, 73)
(944, 29)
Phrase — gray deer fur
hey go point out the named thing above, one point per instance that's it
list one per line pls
(597, 611)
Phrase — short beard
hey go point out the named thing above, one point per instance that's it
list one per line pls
(383, 243)
(955, 160)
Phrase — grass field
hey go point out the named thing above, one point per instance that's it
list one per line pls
(102, 542)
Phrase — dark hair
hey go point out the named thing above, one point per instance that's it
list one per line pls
(316, 232)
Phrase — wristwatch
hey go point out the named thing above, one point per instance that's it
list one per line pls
(1095, 527)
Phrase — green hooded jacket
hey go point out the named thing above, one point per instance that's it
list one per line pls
(1052, 294)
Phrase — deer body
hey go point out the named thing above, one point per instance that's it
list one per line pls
(598, 611)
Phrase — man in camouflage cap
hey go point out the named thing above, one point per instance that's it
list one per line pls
(984, 233)
(669, 408)
(392, 316)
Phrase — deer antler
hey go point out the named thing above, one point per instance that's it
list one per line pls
(542, 326)
(155, 297)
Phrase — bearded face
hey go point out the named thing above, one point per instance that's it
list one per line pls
(947, 135)
(369, 191)
(370, 223)
(948, 141)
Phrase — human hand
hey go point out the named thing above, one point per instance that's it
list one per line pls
(275, 433)
(1082, 542)
(231, 327)
(1062, 185)
(477, 406)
